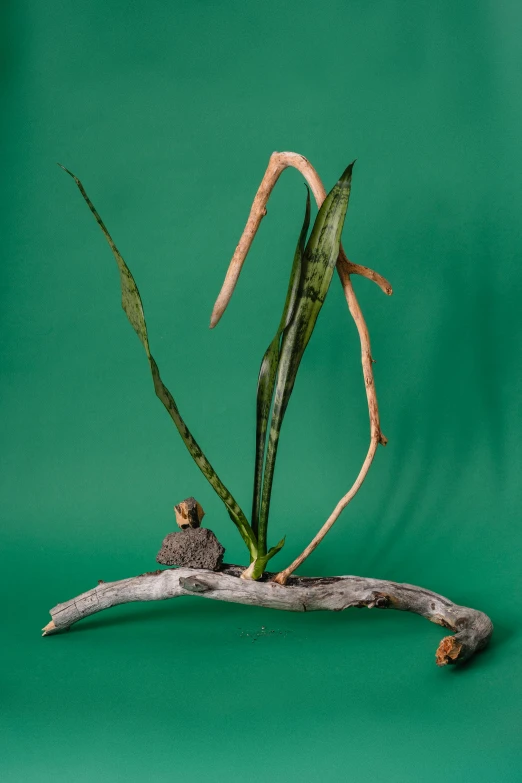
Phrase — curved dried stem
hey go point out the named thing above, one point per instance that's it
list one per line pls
(279, 161)
(376, 436)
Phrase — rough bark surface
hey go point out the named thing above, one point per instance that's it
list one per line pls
(472, 628)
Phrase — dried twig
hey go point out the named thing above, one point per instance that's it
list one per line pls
(376, 436)
(279, 161)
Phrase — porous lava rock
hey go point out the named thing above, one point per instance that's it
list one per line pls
(192, 548)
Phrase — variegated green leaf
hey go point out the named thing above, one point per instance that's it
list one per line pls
(132, 305)
(269, 364)
(318, 263)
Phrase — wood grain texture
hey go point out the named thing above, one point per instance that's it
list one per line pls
(472, 628)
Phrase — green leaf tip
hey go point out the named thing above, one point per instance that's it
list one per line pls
(75, 178)
(277, 548)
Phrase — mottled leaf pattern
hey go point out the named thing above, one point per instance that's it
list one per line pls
(317, 267)
(132, 305)
(269, 364)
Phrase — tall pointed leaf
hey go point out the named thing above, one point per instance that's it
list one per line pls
(269, 364)
(318, 264)
(132, 305)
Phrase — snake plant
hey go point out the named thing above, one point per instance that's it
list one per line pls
(310, 278)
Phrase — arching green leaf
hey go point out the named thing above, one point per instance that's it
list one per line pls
(132, 305)
(269, 365)
(318, 263)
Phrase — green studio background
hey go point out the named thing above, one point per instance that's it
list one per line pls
(169, 112)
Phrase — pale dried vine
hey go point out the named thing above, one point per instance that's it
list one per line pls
(279, 161)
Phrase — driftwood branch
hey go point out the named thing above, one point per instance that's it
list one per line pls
(278, 162)
(472, 628)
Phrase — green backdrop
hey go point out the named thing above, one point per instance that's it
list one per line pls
(169, 113)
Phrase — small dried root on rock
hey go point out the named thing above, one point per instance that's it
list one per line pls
(189, 513)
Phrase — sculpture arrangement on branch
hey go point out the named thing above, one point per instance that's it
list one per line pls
(195, 551)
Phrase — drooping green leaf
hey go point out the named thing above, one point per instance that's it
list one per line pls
(132, 305)
(318, 263)
(269, 364)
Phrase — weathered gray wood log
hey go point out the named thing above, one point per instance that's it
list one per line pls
(472, 628)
